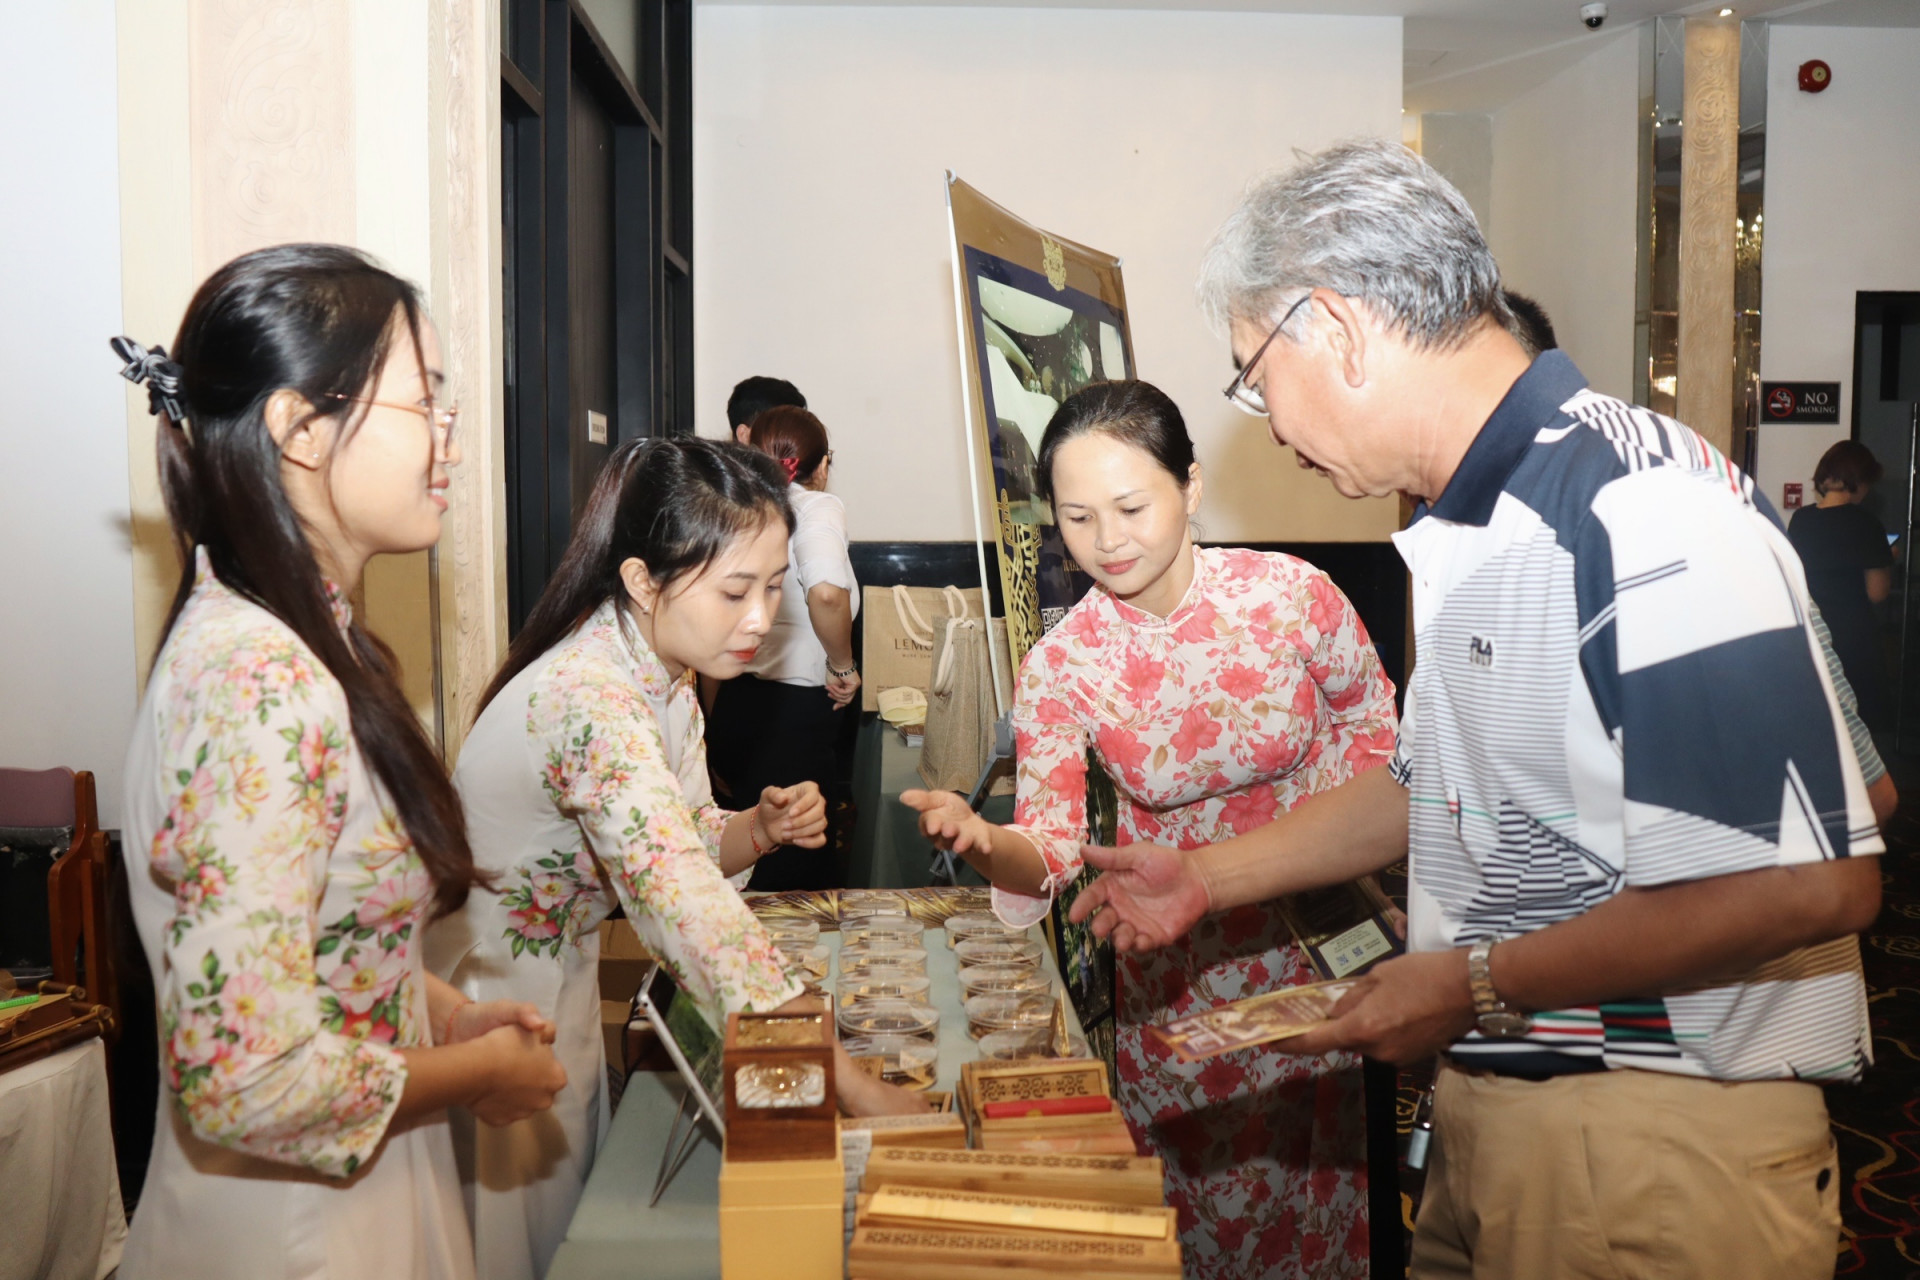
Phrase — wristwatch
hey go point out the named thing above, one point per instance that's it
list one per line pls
(1495, 1017)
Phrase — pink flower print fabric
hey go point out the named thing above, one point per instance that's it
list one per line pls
(1259, 690)
(591, 724)
(291, 971)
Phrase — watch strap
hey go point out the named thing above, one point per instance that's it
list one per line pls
(1480, 979)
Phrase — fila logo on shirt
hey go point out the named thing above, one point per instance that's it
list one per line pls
(1480, 651)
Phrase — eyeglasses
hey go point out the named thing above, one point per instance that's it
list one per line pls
(446, 420)
(1248, 399)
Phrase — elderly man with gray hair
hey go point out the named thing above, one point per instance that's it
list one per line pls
(1638, 833)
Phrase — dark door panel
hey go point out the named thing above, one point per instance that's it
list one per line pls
(596, 161)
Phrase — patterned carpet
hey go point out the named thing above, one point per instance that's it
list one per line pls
(1878, 1121)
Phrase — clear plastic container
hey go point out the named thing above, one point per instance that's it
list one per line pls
(777, 1085)
(909, 1018)
(793, 932)
(1027, 1042)
(882, 954)
(978, 924)
(871, 902)
(864, 929)
(1002, 950)
(880, 982)
(989, 1013)
(908, 1061)
(813, 960)
(1003, 979)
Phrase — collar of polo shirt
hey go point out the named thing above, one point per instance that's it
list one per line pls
(1531, 403)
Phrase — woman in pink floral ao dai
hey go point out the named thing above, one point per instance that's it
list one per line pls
(290, 829)
(1217, 688)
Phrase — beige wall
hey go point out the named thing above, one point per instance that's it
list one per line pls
(1563, 224)
(245, 123)
(821, 134)
(66, 647)
(1842, 217)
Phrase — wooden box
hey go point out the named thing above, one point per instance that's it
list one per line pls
(779, 1087)
(991, 1085)
(935, 1129)
(1114, 1179)
(943, 1209)
(782, 1219)
(918, 1253)
(984, 1082)
(623, 960)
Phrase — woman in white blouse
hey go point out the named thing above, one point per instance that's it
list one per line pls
(777, 725)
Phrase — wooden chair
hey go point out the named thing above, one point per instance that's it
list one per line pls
(77, 885)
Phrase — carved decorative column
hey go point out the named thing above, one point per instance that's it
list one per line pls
(246, 123)
(467, 301)
(1709, 184)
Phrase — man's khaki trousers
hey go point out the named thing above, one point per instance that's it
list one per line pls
(1628, 1175)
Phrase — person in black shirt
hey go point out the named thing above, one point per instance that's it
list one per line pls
(1849, 569)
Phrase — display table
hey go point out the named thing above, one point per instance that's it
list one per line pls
(63, 1217)
(888, 852)
(616, 1233)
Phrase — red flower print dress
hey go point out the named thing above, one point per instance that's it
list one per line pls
(1260, 689)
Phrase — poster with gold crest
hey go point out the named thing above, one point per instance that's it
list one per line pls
(1040, 317)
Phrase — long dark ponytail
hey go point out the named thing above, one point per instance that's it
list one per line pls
(320, 320)
(674, 504)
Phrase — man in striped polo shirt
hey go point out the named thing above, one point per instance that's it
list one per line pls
(1635, 822)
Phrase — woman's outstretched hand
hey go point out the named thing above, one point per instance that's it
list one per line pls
(793, 815)
(1148, 896)
(948, 822)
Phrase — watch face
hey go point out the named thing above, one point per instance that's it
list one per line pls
(1504, 1026)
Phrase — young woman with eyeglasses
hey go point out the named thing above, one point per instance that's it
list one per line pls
(290, 828)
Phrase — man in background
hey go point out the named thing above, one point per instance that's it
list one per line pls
(754, 396)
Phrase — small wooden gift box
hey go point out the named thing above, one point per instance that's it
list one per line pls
(1059, 1105)
(1111, 1179)
(779, 1087)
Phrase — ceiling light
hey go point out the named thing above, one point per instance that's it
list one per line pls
(1726, 13)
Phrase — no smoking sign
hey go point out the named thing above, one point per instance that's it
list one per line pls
(1800, 402)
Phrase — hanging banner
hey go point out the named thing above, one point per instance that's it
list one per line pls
(1041, 317)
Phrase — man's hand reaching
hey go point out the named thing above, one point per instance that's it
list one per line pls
(1148, 897)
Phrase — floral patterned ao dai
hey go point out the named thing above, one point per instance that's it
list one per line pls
(279, 902)
(1260, 689)
(585, 784)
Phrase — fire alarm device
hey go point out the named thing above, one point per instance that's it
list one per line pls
(1790, 497)
(1815, 75)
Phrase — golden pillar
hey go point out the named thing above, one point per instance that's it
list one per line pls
(1709, 186)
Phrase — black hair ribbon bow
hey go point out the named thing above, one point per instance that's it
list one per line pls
(161, 375)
